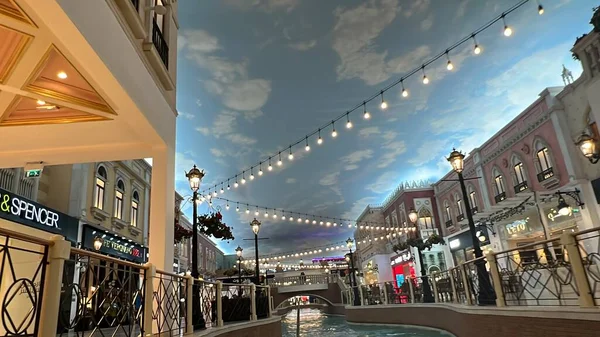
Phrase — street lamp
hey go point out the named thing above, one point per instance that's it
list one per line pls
(194, 177)
(255, 225)
(353, 285)
(238, 252)
(486, 294)
(587, 146)
(427, 295)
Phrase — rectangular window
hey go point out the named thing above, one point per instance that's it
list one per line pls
(473, 199)
(544, 159)
(118, 205)
(459, 206)
(425, 222)
(520, 173)
(134, 213)
(99, 201)
(499, 183)
(448, 215)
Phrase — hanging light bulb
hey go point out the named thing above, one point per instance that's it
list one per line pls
(266, 214)
(236, 183)
(404, 91)
(540, 8)
(256, 212)
(243, 181)
(227, 207)
(366, 114)
(476, 48)
(260, 171)
(507, 30)
(251, 174)
(228, 187)
(449, 65)
(247, 210)
(291, 156)
(270, 168)
(274, 213)
(425, 79)
(237, 207)
(348, 122)
(307, 147)
(279, 162)
(222, 190)
(384, 104)
(320, 140)
(333, 132)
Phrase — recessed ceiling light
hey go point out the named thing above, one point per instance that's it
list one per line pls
(40, 102)
(62, 75)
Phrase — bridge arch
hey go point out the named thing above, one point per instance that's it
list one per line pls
(284, 297)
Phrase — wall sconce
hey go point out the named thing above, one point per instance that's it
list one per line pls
(587, 146)
(563, 207)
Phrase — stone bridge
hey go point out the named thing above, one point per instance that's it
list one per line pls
(324, 287)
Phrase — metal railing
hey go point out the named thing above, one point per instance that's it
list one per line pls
(23, 265)
(48, 288)
(563, 271)
(159, 42)
(302, 280)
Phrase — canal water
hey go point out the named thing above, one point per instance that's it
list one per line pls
(313, 323)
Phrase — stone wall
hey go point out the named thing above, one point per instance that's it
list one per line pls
(491, 322)
(261, 328)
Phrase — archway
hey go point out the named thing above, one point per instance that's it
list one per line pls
(285, 298)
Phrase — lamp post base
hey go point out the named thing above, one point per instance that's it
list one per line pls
(198, 317)
(486, 294)
(427, 295)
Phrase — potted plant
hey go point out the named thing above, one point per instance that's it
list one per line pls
(212, 225)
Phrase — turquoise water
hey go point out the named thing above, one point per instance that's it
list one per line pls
(313, 323)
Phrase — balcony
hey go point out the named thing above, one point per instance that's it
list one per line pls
(130, 11)
(449, 223)
(548, 178)
(474, 210)
(160, 44)
(545, 175)
(157, 52)
(500, 197)
(460, 217)
(521, 187)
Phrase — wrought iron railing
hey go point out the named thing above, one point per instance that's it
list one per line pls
(237, 302)
(170, 310)
(101, 296)
(23, 261)
(160, 43)
(546, 174)
(302, 280)
(500, 197)
(207, 293)
(588, 243)
(262, 302)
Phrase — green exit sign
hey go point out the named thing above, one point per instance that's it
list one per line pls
(33, 173)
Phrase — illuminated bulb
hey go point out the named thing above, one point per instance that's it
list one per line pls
(252, 176)
(266, 214)
(236, 184)
(243, 181)
(450, 66)
(283, 217)
(299, 219)
(507, 31)
(384, 105)
(279, 162)
(314, 222)
(349, 125)
(366, 115)
(274, 216)
(291, 156)
(307, 147)
(477, 50)
(260, 173)
(404, 93)
(540, 9)
(247, 211)
(227, 207)
(256, 213)
(214, 193)
(228, 187)
(320, 140)
(333, 133)
(237, 208)
(62, 75)
(222, 191)
(270, 168)
(307, 221)
(425, 79)
(40, 102)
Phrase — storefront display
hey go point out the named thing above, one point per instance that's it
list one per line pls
(461, 245)
(102, 241)
(402, 267)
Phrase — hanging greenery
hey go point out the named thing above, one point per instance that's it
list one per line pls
(181, 233)
(212, 225)
(433, 239)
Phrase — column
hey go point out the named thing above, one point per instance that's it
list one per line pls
(162, 205)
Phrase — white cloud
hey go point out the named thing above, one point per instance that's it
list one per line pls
(241, 139)
(391, 152)
(246, 95)
(224, 125)
(427, 23)
(217, 153)
(183, 163)
(330, 179)
(417, 6)
(429, 150)
(369, 131)
(358, 207)
(352, 160)
(461, 10)
(303, 45)
(198, 41)
(203, 130)
(268, 6)
(290, 181)
(384, 183)
(185, 115)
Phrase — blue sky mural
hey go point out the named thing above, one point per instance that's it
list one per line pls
(256, 75)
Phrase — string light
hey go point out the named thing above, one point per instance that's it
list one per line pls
(237, 207)
(274, 214)
(366, 114)
(404, 91)
(247, 210)
(260, 171)
(222, 190)
(236, 183)
(383, 104)
(227, 207)
(333, 132)
(291, 156)
(251, 173)
(279, 162)
(507, 30)
(320, 140)
(256, 212)
(477, 49)
(270, 168)
(348, 122)
(449, 65)
(307, 147)
(243, 178)
(425, 79)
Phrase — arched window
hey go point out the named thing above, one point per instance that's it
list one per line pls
(425, 218)
(460, 207)
(100, 187)
(543, 160)
(119, 191)
(473, 198)
(135, 202)
(447, 213)
(519, 174)
(499, 187)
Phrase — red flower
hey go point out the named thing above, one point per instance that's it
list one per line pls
(219, 216)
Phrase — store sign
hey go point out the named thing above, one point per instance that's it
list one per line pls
(401, 258)
(18, 209)
(123, 248)
(454, 243)
(517, 227)
(113, 245)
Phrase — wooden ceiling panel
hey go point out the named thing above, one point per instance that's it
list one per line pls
(11, 49)
(11, 9)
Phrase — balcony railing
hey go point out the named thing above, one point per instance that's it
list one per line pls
(449, 223)
(521, 187)
(500, 197)
(546, 174)
(159, 42)
(474, 210)
(460, 217)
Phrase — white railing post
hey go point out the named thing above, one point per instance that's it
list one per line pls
(219, 300)
(360, 293)
(253, 316)
(385, 294)
(189, 292)
(149, 273)
(496, 279)
(269, 299)
(465, 281)
(58, 252)
(411, 289)
(434, 286)
(453, 285)
(586, 300)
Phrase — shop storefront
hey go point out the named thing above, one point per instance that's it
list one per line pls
(402, 267)
(23, 260)
(461, 244)
(102, 241)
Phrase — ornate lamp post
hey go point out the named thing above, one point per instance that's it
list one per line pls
(255, 224)
(194, 177)
(238, 252)
(427, 295)
(486, 294)
(587, 146)
(353, 284)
